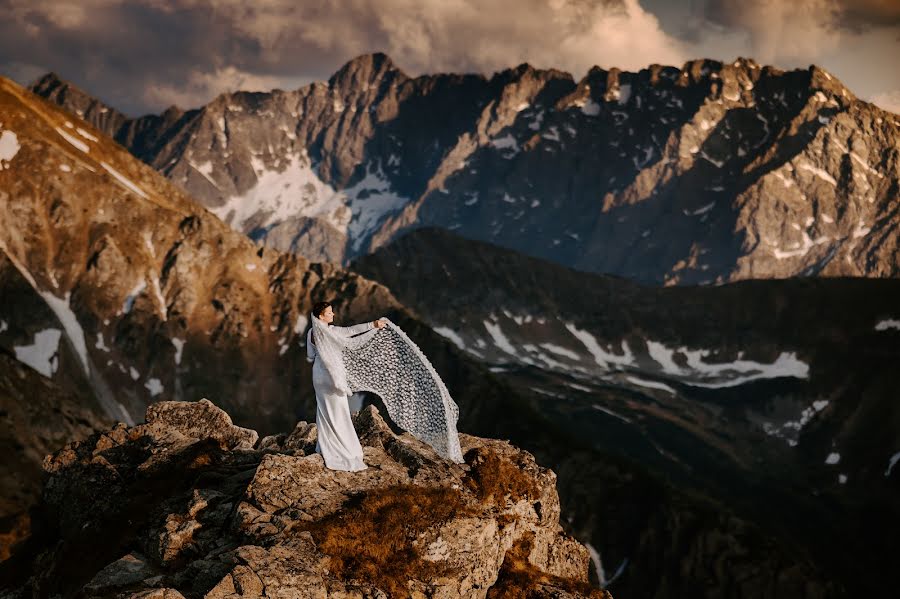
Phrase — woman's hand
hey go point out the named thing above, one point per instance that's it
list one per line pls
(379, 324)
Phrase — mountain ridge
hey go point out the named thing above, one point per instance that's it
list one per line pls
(748, 171)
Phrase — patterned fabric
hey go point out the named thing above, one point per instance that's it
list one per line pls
(388, 363)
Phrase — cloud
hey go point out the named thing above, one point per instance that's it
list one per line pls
(780, 31)
(888, 100)
(796, 30)
(859, 15)
(143, 55)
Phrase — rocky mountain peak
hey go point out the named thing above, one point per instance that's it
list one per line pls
(189, 505)
(364, 71)
(58, 90)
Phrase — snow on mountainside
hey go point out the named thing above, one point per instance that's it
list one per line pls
(708, 173)
(775, 398)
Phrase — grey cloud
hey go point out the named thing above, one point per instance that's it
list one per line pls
(142, 55)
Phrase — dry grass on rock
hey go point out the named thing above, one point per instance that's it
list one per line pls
(493, 476)
(375, 537)
(519, 578)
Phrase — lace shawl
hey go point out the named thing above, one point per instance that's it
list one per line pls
(388, 363)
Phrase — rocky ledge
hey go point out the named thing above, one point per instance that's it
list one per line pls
(190, 505)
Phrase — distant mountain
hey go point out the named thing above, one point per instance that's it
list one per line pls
(709, 173)
(774, 398)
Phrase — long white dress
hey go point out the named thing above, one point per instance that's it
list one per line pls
(337, 439)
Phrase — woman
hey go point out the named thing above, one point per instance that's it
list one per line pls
(380, 358)
(337, 440)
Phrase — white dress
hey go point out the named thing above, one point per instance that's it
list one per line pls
(337, 439)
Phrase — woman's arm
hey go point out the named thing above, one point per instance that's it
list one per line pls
(353, 330)
(310, 347)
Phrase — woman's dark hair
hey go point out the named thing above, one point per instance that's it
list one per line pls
(319, 307)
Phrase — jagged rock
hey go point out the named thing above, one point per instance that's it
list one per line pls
(217, 519)
(129, 570)
(303, 438)
(201, 420)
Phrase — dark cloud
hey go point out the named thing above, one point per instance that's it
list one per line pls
(142, 55)
(861, 15)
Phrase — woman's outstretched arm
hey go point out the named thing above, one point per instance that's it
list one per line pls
(354, 329)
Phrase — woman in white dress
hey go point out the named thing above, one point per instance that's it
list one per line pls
(379, 358)
(337, 439)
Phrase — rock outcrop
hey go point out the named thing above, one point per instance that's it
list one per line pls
(37, 417)
(189, 505)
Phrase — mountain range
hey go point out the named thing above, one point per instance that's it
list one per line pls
(712, 440)
(707, 173)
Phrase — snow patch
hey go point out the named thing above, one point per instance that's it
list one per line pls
(73, 140)
(590, 107)
(601, 356)
(500, 340)
(611, 413)
(128, 304)
(817, 172)
(451, 335)
(624, 93)
(9, 147)
(890, 323)
(891, 463)
(179, 347)
(802, 247)
(100, 343)
(86, 135)
(154, 386)
(123, 180)
(650, 384)
(42, 353)
(598, 565)
(507, 142)
(561, 351)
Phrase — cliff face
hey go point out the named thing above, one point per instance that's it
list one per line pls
(709, 172)
(189, 505)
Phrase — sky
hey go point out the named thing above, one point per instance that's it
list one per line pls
(141, 56)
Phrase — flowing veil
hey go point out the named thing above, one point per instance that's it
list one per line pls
(388, 363)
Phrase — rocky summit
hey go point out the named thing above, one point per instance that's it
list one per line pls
(187, 504)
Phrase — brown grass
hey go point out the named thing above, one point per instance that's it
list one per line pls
(518, 576)
(493, 476)
(372, 539)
